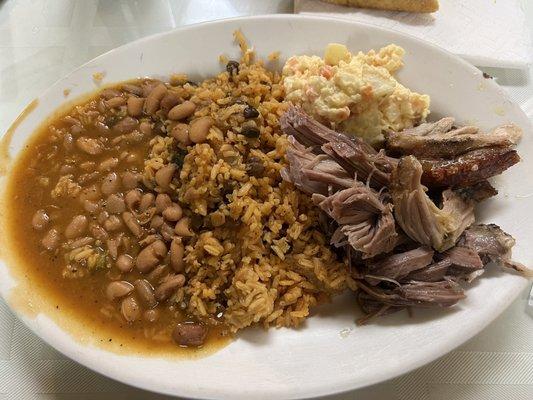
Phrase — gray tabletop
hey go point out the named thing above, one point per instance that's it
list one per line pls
(42, 40)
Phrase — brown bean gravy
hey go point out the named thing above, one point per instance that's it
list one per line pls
(104, 244)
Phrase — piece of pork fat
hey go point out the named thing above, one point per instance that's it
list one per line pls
(351, 153)
(468, 168)
(364, 217)
(441, 140)
(419, 217)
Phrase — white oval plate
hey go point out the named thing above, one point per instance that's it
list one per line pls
(329, 354)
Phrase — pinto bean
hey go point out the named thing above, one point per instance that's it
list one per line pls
(130, 180)
(150, 256)
(40, 220)
(124, 263)
(68, 142)
(126, 125)
(132, 224)
(147, 201)
(109, 93)
(180, 132)
(98, 232)
(113, 223)
(115, 204)
(133, 89)
(164, 175)
(146, 292)
(50, 241)
(102, 128)
(110, 183)
(90, 206)
(182, 227)
(130, 309)
(173, 213)
(166, 231)
(135, 106)
(157, 273)
(102, 216)
(90, 193)
(182, 111)
(153, 100)
(133, 198)
(108, 164)
(151, 315)
(199, 128)
(89, 145)
(112, 247)
(115, 102)
(170, 100)
(162, 201)
(156, 222)
(76, 227)
(176, 255)
(145, 128)
(169, 285)
(190, 334)
(118, 289)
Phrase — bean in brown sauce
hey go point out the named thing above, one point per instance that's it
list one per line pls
(108, 164)
(130, 309)
(150, 256)
(170, 100)
(162, 201)
(199, 128)
(89, 145)
(40, 220)
(177, 252)
(135, 106)
(147, 201)
(124, 263)
(115, 204)
(182, 227)
(180, 132)
(151, 315)
(110, 183)
(168, 286)
(50, 241)
(133, 198)
(115, 102)
(76, 227)
(153, 100)
(173, 213)
(130, 180)
(126, 125)
(117, 289)
(133, 89)
(132, 224)
(164, 175)
(190, 334)
(112, 223)
(182, 111)
(145, 128)
(156, 222)
(145, 291)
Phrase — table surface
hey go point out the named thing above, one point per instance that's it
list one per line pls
(42, 40)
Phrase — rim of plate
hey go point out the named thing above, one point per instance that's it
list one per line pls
(331, 387)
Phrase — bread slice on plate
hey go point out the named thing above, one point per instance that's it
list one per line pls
(420, 6)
